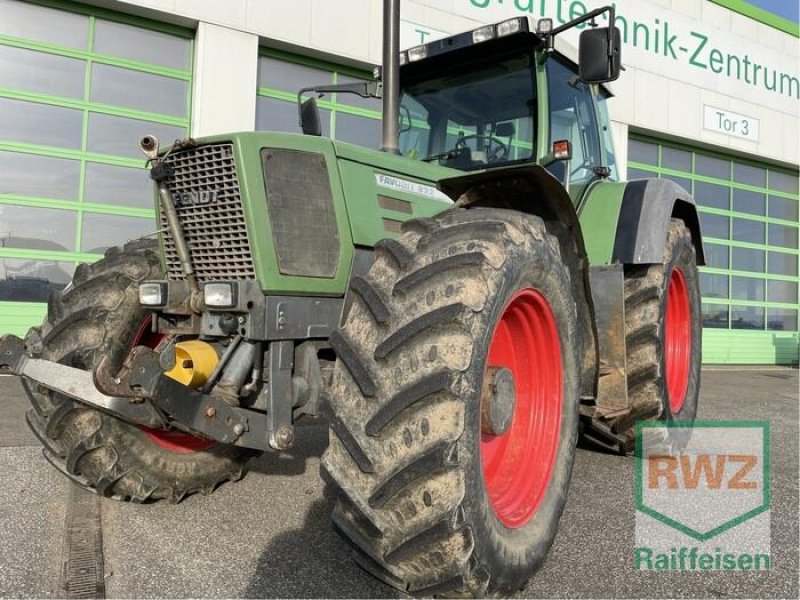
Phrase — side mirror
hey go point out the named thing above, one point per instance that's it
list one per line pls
(309, 118)
(597, 63)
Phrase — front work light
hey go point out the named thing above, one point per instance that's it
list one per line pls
(153, 293)
(219, 295)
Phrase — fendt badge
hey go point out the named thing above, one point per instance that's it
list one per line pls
(195, 198)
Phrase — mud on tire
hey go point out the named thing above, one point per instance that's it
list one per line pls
(98, 314)
(646, 299)
(404, 459)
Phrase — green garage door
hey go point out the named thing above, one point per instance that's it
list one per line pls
(78, 87)
(345, 117)
(749, 215)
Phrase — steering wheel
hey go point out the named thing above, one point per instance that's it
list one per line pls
(496, 150)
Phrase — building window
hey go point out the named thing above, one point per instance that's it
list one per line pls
(78, 87)
(749, 216)
(345, 117)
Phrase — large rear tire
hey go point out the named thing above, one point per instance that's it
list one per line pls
(663, 338)
(99, 314)
(432, 502)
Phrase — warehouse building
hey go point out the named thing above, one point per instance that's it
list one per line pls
(709, 99)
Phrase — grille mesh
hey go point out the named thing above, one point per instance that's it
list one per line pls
(215, 232)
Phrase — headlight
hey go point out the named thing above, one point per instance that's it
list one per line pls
(219, 295)
(153, 293)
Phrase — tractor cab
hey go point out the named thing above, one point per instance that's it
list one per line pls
(502, 95)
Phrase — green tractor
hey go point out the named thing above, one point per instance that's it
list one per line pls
(459, 306)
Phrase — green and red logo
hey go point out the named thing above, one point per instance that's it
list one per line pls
(705, 485)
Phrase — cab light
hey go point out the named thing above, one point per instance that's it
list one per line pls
(511, 26)
(483, 33)
(417, 53)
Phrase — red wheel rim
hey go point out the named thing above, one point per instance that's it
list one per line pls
(174, 441)
(518, 464)
(677, 340)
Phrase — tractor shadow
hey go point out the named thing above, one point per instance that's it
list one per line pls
(321, 563)
(311, 439)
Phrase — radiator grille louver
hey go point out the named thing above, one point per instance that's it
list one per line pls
(216, 232)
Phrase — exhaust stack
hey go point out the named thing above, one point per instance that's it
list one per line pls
(391, 76)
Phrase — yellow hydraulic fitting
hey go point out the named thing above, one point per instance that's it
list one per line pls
(194, 363)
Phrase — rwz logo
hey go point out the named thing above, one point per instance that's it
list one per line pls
(195, 198)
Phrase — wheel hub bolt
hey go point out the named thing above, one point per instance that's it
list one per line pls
(497, 400)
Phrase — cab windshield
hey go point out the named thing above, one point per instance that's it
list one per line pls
(475, 117)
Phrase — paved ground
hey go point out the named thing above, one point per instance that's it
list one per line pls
(269, 535)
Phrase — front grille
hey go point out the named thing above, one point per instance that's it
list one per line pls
(215, 231)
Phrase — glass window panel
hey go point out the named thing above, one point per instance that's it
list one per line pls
(717, 226)
(120, 136)
(358, 130)
(753, 203)
(749, 175)
(643, 152)
(784, 208)
(640, 174)
(672, 158)
(783, 182)
(121, 186)
(781, 319)
(100, 232)
(280, 115)
(137, 90)
(716, 255)
(746, 230)
(37, 228)
(39, 176)
(745, 259)
(713, 285)
(49, 25)
(143, 45)
(782, 291)
(782, 264)
(33, 71)
(681, 181)
(747, 288)
(32, 123)
(715, 316)
(712, 167)
(355, 100)
(783, 235)
(289, 76)
(747, 317)
(708, 194)
(25, 280)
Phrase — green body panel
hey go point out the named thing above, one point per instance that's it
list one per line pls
(370, 178)
(352, 171)
(598, 214)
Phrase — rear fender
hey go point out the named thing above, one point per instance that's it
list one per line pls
(645, 213)
(533, 190)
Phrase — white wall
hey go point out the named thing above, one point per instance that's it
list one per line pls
(657, 93)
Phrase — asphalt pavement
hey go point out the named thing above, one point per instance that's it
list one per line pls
(269, 535)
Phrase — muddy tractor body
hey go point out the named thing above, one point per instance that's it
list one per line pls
(484, 284)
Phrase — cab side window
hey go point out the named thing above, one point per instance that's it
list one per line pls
(572, 118)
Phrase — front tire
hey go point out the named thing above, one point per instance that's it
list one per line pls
(431, 503)
(97, 315)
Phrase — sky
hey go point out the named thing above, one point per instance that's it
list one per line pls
(788, 9)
